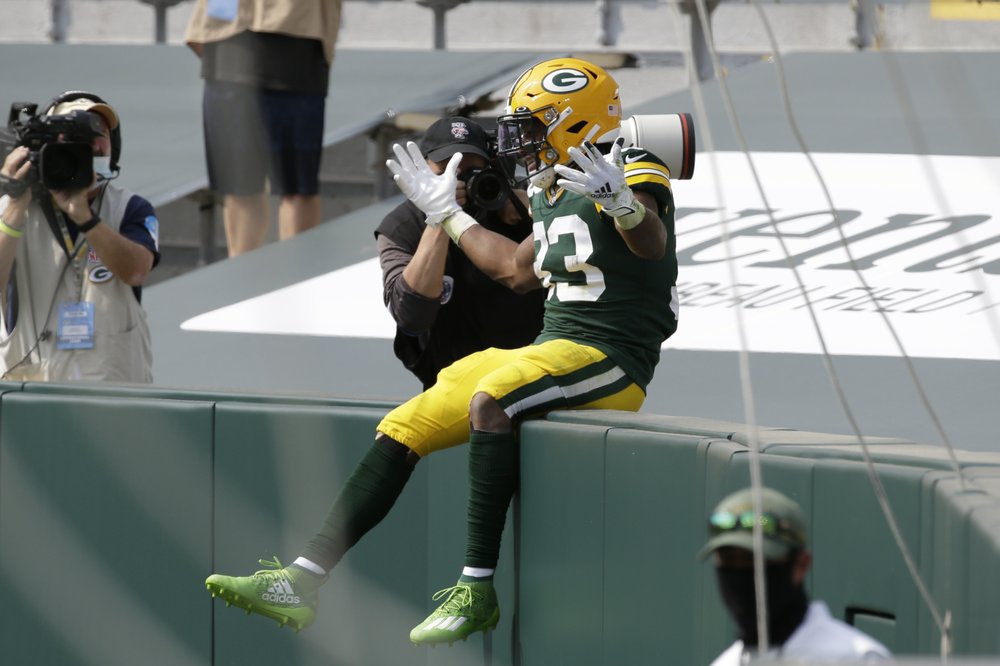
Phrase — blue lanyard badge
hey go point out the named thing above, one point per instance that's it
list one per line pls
(223, 10)
(76, 326)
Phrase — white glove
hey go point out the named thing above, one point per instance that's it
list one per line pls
(433, 194)
(602, 179)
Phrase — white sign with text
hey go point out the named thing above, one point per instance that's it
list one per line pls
(923, 234)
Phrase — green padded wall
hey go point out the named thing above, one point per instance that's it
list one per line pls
(104, 531)
(642, 616)
(561, 619)
(105, 488)
(156, 391)
(858, 569)
(983, 605)
(964, 581)
(677, 425)
(8, 386)
(857, 561)
(277, 470)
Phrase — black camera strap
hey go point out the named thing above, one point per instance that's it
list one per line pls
(45, 204)
(55, 220)
(60, 226)
(12, 187)
(60, 229)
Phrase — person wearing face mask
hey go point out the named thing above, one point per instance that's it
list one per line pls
(444, 307)
(72, 265)
(798, 630)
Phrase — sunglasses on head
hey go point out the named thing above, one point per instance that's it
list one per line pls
(770, 524)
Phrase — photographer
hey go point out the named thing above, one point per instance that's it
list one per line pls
(444, 307)
(72, 261)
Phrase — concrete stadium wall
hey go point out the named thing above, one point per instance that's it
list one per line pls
(116, 502)
(643, 25)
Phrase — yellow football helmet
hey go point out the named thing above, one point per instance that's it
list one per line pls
(553, 106)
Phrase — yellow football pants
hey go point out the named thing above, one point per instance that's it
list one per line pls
(535, 379)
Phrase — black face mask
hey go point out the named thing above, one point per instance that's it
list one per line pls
(786, 602)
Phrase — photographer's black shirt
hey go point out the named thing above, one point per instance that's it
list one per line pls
(476, 313)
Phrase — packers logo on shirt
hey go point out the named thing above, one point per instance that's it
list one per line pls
(99, 274)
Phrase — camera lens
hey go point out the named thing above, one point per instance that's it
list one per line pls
(488, 189)
(66, 166)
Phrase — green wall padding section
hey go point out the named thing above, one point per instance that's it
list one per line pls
(117, 501)
(154, 391)
(640, 618)
(561, 541)
(278, 469)
(678, 425)
(104, 531)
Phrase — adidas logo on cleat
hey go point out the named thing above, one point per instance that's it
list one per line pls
(447, 623)
(281, 593)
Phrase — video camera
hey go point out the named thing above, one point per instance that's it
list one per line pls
(59, 148)
(669, 136)
(487, 187)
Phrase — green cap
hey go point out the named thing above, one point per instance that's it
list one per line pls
(731, 524)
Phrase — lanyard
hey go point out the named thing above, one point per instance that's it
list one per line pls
(72, 249)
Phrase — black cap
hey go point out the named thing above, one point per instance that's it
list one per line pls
(448, 136)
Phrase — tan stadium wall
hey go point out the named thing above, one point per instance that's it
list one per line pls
(116, 502)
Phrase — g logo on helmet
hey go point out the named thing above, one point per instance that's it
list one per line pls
(565, 80)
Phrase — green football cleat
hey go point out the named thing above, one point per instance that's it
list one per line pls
(470, 607)
(286, 594)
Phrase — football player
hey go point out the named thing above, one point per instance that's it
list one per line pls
(603, 246)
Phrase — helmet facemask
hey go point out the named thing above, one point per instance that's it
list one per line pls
(522, 141)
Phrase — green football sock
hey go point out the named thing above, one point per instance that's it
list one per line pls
(363, 502)
(493, 474)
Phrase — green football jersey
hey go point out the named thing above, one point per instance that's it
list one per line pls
(600, 293)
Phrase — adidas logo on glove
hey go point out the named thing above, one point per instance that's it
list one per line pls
(605, 192)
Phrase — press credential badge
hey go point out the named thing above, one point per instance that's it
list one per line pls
(76, 326)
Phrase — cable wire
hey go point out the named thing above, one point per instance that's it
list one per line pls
(876, 482)
(943, 623)
(800, 140)
(746, 384)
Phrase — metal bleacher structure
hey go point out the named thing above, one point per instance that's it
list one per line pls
(116, 501)
(165, 161)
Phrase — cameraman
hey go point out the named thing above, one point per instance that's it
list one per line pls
(72, 264)
(445, 308)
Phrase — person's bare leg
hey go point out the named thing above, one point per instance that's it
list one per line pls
(246, 219)
(297, 213)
